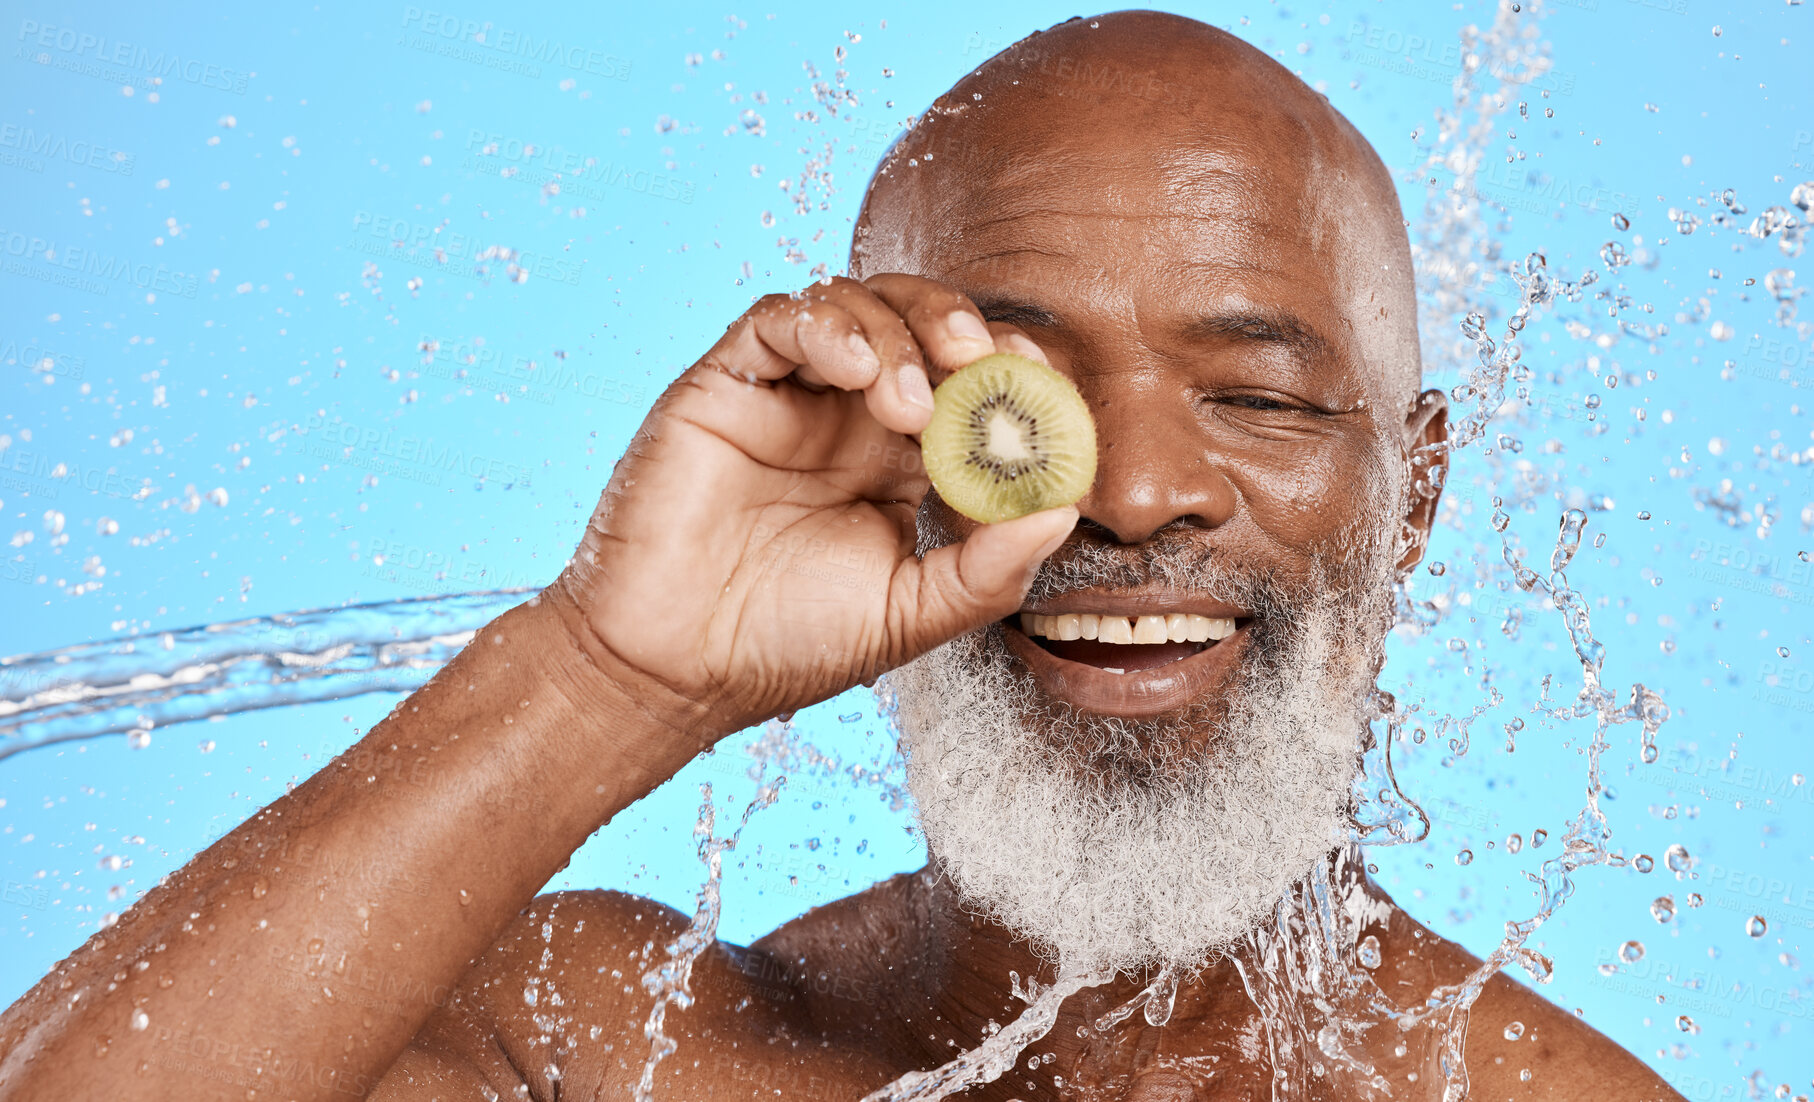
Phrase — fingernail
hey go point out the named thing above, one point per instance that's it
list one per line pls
(864, 354)
(1057, 541)
(915, 391)
(964, 324)
(1025, 347)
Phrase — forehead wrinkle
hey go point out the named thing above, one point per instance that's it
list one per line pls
(1221, 207)
(1198, 179)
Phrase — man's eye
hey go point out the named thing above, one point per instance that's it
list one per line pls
(1257, 401)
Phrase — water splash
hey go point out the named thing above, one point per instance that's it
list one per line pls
(782, 746)
(1157, 1000)
(1453, 252)
(1300, 972)
(1585, 842)
(671, 980)
(156, 679)
(988, 1061)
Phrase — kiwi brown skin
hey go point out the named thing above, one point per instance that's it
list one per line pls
(1008, 437)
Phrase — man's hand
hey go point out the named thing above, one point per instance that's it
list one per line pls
(754, 551)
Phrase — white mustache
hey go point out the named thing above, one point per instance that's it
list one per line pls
(1187, 566)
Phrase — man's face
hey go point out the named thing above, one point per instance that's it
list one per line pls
(1234, 344)
(1233, 322)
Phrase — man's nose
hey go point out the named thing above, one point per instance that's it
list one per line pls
(1154, 468)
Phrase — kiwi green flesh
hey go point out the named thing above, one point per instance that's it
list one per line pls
(1008, 437)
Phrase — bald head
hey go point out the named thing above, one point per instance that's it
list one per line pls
(1195, 157)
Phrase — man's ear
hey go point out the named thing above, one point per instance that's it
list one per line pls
(1426, 439)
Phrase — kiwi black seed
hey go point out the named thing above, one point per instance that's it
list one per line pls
(1008, 437)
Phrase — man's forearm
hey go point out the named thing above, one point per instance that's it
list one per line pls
(309, 945)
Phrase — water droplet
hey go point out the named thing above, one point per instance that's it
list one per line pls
(1662, 908)
(1694, 899)
(1514, 1030)
(259, 888)
(1620, 222)
(1782, 652)
(1677, 859)
(1161, 998)
(1368, 952)
(1524, 1075)
(1756, 926)
(1631, 952)
(140, 1020)
(1514, 843)
(1538, 837)
(1466, 856)
(465, 897)
(1686, 1024)
(1643, 862)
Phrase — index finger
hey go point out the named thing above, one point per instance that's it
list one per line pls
(944, 321)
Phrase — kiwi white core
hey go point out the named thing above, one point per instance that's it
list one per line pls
(1007, 438)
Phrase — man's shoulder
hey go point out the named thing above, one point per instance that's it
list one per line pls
(595, 947)
(574, 961)
(1522, 1046)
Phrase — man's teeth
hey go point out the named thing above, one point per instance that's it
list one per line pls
(1175, 627)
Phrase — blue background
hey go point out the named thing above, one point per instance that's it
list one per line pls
(244, 302)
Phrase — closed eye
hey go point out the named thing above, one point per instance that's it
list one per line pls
(1272, 404)
(1257, 401)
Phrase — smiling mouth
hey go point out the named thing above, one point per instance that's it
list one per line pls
(1123, 644)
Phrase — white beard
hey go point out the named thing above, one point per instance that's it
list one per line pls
(1158, 864)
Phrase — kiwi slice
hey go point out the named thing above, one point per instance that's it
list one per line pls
(1008, 437)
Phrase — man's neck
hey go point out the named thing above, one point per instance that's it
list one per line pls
(969, 964)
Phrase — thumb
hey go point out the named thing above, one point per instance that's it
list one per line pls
(965, 585)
